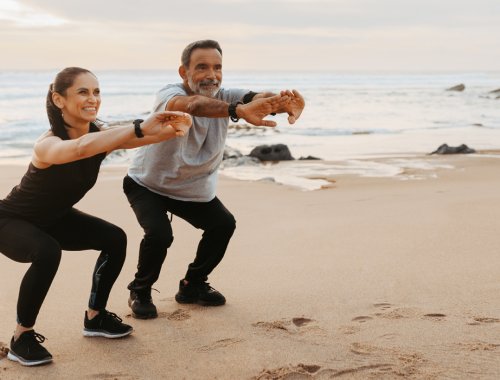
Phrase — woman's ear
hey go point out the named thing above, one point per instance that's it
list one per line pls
(58, 100)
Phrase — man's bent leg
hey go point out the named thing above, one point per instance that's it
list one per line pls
(218, 225)
(150, 210)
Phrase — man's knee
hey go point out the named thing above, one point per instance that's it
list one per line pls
(162, 238)
(227, 224)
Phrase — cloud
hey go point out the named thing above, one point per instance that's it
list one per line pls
(359, 14)
(270, 34)
(24, 16)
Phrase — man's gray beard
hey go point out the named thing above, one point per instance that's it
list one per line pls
(200, 91)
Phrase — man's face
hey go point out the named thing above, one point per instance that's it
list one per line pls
(204, 74)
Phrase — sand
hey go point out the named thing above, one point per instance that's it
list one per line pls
(371, 278)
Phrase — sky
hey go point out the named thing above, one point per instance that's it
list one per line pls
(291, 35)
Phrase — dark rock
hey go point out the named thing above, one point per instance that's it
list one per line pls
(278, 152)
(309, 158)
(445, 149)
(458, 87)
(495, 91)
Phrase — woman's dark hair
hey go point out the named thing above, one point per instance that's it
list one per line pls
(63, 80)
(202, 44)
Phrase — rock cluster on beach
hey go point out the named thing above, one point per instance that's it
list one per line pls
(261, 153)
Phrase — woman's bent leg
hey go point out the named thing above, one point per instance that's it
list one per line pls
(23, 242)
(80, 231)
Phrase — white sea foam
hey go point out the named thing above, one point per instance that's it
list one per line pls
(314, 175)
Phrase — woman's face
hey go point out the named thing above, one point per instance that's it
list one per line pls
(82, 100)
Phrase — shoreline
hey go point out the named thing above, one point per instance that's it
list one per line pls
(311, 175)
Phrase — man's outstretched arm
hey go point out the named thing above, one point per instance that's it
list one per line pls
(253, 112)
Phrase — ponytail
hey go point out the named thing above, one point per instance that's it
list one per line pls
(55, 116)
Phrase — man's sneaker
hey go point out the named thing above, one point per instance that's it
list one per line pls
(142, 305)
(106, 324)
(27, 349)
(201, 293)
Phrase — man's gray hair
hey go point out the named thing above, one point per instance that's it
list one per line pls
(202, 44)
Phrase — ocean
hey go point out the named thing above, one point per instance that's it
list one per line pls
(350, 119)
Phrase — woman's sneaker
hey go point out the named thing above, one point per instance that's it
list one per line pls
(27, 349)
(106, 324)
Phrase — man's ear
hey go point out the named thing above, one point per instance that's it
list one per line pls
(182, 72)
(58, 100)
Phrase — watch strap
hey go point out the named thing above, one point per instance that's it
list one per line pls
(231, 110)
(137, 128)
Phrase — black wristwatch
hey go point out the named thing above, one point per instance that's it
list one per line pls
(231, 110)
(137, 128)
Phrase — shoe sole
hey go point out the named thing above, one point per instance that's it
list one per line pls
(105, 334)
(142, 316)
(198, 302)
(28, 363)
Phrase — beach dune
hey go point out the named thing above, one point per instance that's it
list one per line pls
(371, 278)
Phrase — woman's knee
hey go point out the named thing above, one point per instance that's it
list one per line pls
(116, 237)
(47, 253)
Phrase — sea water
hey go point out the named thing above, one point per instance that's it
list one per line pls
(349, 118)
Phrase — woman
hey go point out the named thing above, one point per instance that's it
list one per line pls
(37, 219)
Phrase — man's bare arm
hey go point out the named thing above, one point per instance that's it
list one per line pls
(253, 112)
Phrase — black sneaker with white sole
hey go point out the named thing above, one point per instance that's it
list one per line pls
(27, 349)
(107, 325)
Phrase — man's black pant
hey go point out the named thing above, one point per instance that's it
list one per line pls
(151, 210)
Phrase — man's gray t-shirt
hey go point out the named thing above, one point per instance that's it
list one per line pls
(185, 168)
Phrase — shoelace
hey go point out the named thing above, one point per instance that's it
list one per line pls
(113, 316)
(38, 337)
(145, 295)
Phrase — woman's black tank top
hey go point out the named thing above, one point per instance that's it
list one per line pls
(46, 195)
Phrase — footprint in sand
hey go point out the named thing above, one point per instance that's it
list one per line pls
(301, 321)
(486, 320)
(4, 350)
(298, 325)
(434, 316)
(300, 371)
(219, 344)
(362, 348)
(382, 305)
(109, 376)
(362, 319)
(349, 330)
(479, 346)
(178, 315)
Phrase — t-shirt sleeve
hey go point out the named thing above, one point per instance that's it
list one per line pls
(233, 95)
(165, 94)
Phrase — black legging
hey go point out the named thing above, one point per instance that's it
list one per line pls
(76, 231)
(217, 223)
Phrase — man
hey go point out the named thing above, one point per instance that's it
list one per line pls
(179, 176)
